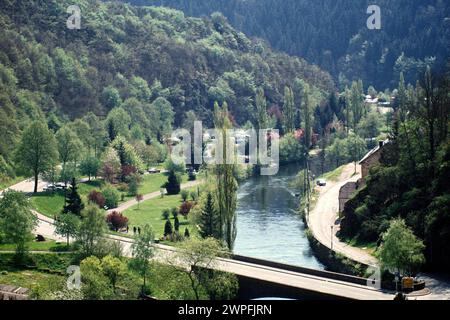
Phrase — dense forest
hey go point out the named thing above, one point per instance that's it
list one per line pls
(333, 33)
(150, 65)
(412, 180)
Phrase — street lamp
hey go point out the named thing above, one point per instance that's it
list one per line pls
(332, 227)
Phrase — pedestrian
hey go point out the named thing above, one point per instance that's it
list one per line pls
(139, 230)
(134, 230)
(128, 228)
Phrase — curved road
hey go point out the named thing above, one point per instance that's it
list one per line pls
(263, 273)
(288, 278)
(325, 214)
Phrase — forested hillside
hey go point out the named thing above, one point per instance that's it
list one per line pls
(412, 180)
(333, 33)
(154, 63)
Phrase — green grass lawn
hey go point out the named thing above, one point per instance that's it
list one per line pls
(152, 183)
(150, 212)
(30, 279)
(51, 203)
(369, 247)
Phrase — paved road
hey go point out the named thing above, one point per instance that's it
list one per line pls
(288, 278)
(27, 186)
(325, 214)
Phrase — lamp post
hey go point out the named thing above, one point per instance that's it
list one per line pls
(332, 227)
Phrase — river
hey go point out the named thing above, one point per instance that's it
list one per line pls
(268, 226)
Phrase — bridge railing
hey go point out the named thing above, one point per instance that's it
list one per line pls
(318, 273)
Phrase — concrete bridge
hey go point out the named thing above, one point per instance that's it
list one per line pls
(261, 278)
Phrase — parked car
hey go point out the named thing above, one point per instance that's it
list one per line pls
(321, 183)
(49, 188)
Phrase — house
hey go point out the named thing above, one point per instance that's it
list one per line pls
(371, 159)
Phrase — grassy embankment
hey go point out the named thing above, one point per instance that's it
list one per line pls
(45, 246)
(150, 212)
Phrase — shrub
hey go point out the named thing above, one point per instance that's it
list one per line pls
(186, 207)
(97, 198)
(168, 229)
(134, 181)
(194, 196)
(184, 195)
(127, 171)
(176, 224)
(116, 221)
(111, 197)
(173, 184)
(192, 176)
(166, 214)
(122, 187)
(175, 212)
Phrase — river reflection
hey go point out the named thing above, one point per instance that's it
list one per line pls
(268, 226)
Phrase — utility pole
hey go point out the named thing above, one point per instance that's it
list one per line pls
(307, 184)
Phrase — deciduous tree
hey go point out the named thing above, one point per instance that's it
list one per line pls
(37, 150)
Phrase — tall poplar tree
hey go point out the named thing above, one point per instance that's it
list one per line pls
(288, 110)
(226, 182)
(307, 115)
(261, 109)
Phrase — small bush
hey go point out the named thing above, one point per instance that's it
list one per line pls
(173, 184)
(186, 207)
(194, 196)
(116, 221)
(192, 176)
(166, 214)
(176, 224)
(127, 171)
(174, 212)
(168, 229)
(184, 195)
(111, 197)
(97, 198)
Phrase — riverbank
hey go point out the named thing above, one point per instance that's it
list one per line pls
(323, 223)
(339, 256)
(323, 220)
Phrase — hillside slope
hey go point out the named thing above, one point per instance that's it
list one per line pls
(333, 33)
(122, 51)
